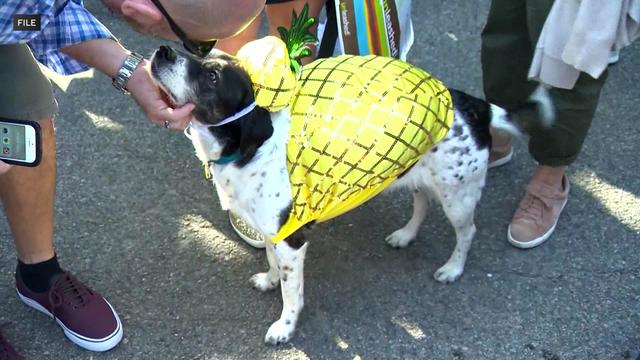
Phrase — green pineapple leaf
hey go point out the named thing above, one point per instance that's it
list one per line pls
(298, 37)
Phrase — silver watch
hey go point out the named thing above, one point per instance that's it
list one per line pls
(126, 70)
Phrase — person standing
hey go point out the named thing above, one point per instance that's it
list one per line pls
(70, 40)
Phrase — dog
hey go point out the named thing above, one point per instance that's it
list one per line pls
(256, 186)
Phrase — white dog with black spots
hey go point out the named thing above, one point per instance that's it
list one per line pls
(256, 185)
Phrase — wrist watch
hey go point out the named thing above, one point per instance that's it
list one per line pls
(126, 70)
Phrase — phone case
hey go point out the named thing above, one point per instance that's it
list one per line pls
(36, 126)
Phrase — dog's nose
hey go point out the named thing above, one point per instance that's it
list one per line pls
(167, 53)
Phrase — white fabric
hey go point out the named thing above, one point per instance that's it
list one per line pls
(578, 36)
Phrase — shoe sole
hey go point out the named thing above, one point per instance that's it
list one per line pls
(503, 160)
(538, 241)
(258, 244)
(98, 345)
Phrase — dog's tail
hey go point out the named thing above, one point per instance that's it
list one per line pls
(537, 112)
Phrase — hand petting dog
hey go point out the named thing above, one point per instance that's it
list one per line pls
(150, 99)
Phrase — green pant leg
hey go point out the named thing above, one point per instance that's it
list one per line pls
(26, 93)
(508, 43)
(506, 53)
(560, 145)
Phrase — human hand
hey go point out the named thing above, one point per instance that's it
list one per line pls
(146, 93)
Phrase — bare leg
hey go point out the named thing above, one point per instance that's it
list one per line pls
(550, 175)
(233, 44)
(280, 15)
(28, 197)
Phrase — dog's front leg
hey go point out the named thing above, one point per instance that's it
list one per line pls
(289, 255)
(267, 280)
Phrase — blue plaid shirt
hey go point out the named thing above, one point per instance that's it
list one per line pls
(63, 23)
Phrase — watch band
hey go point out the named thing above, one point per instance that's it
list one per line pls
(126, 70)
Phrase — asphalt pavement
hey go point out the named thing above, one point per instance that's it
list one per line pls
(136, 220)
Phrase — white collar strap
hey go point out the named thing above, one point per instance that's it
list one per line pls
(237, 115)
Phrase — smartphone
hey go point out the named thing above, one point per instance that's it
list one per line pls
(20, 142)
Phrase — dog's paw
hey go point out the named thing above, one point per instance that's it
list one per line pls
(263, 282)
(400, 238)
(448, 273)
(279, 332)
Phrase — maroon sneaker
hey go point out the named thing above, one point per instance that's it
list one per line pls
(7, 352)
(86, 317)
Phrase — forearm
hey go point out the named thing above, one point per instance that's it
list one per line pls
(105, 55)
(108, 56)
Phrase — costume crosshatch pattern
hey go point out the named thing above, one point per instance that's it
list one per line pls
(267, 62)
(357, 123)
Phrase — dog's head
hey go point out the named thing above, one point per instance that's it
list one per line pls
(219, 87)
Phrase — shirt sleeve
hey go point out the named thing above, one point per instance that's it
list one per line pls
(46, 10)
(72, 25)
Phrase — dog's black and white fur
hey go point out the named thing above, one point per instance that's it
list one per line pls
(256, 186)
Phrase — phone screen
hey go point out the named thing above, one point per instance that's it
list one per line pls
(13, 141)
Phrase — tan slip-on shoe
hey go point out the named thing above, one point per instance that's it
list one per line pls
(500, 154)
(537, 214)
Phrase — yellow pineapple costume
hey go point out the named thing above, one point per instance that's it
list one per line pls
(357, 123)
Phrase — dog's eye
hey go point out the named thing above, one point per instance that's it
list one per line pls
(213, 76)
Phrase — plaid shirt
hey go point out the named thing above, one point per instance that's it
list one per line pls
(63, 23)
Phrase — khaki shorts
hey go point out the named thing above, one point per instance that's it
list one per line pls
(25, 92)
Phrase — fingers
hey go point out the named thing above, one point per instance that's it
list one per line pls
(148, 96)
(177, 118)
(171, 118)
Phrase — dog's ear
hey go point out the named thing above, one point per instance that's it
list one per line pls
(255, 129)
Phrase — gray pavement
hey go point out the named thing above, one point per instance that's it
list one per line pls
(137, 221)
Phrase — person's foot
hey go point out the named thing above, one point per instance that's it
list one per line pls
(7, 352)
(86, 317)
(501, 151)
(538, 213)
(246, 233)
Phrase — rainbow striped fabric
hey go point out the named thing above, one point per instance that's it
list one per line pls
(371, 27)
